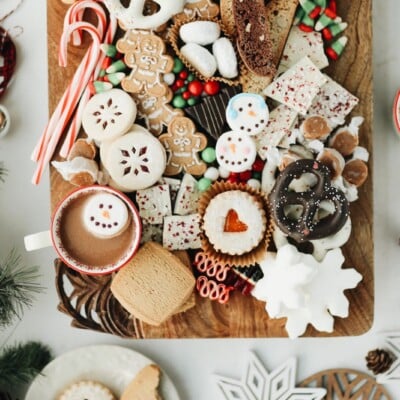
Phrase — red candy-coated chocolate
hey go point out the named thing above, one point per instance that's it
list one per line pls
(196, 88)
(258, 165)
(179, 83)
(186, 95)
(245, 176)
(212, 87)
(183, 74)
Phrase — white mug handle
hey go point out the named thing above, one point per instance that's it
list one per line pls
(38, 241)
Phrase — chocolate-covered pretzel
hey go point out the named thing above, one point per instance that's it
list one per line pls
(307, 227)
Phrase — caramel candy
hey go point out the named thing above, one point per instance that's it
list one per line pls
(82, 148)
(333, 160)
(315, 127)
(344, 142)
(294, 153)
(355, 172)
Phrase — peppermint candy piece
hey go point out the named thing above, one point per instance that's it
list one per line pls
(105, 215)
(108, 115)
(135, 160)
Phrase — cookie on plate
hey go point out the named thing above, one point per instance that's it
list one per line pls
(87, 390)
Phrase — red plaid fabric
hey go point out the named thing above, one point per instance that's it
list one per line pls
(8, 52)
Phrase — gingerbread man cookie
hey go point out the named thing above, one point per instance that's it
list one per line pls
(199, 8)
(145, 54)
(156, 111)
(183, 144)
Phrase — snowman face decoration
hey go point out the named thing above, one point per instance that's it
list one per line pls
(105, 215)
(247, 113)
(235, 152)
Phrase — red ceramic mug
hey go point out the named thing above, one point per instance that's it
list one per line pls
(95, 230)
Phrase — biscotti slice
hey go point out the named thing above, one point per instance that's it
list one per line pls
(227, 18)
(144, 385)
(253, 36)
(86, 390)
(153, 285)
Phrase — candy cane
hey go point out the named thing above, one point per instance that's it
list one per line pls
(74, 91)
(73, 13)
(76, 122)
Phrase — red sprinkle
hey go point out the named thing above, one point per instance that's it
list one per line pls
(212, 87)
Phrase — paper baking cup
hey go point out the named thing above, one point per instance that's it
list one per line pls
(174, 40)
(254, 255)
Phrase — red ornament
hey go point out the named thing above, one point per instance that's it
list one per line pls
(9, 54)
(212, 87)
(195, 88)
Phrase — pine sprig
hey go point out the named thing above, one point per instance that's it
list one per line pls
(20, 363)
(3, 172)
(17, 286)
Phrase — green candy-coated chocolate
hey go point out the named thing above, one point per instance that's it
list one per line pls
(192, 101)
(203, 184)
(179, 102)
(181, 90)
(178, 66)
(208, 155)
(190, 77)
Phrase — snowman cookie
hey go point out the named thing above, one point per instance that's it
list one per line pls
(235, 152)
(247, 113)
(105, 215)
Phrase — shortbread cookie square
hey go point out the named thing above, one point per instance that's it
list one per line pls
(280, 124)
(187, 196)
(298, 86)
(153, 285)
(154, 204)
(301, 44)
(334, 102)
(182, 232)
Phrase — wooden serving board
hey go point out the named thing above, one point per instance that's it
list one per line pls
(245, 316)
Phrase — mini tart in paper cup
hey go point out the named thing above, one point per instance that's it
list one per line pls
(174, 40)
(235, 222)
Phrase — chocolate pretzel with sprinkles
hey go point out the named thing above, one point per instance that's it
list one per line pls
(308, 226)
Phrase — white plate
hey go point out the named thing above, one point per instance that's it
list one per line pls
(113, 366)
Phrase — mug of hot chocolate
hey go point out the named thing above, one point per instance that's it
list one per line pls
(95, 230)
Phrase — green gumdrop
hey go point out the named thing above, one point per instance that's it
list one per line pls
(208, 155)
(178, 101)
(192, 101)
(203, 184)
(178, 66)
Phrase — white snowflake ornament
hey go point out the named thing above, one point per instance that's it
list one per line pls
(320, 294)
(258, 384)
(285, 275)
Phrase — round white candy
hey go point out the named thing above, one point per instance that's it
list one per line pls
(108, 115)
(223, 172)
(169, 78)
(235, 152)
(105, 215)
(254, 183)
(247, 113)
(200, 32)
(212, 173)
(225, 55)
(201, 59)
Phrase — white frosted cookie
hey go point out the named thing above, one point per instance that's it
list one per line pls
(108, 115)
(235, 151)
(234, 222)
(87, 390)
(135, 160)
(105, 215)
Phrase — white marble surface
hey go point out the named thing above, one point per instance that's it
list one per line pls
(24, 209)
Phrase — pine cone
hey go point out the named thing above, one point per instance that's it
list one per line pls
(379, 361)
